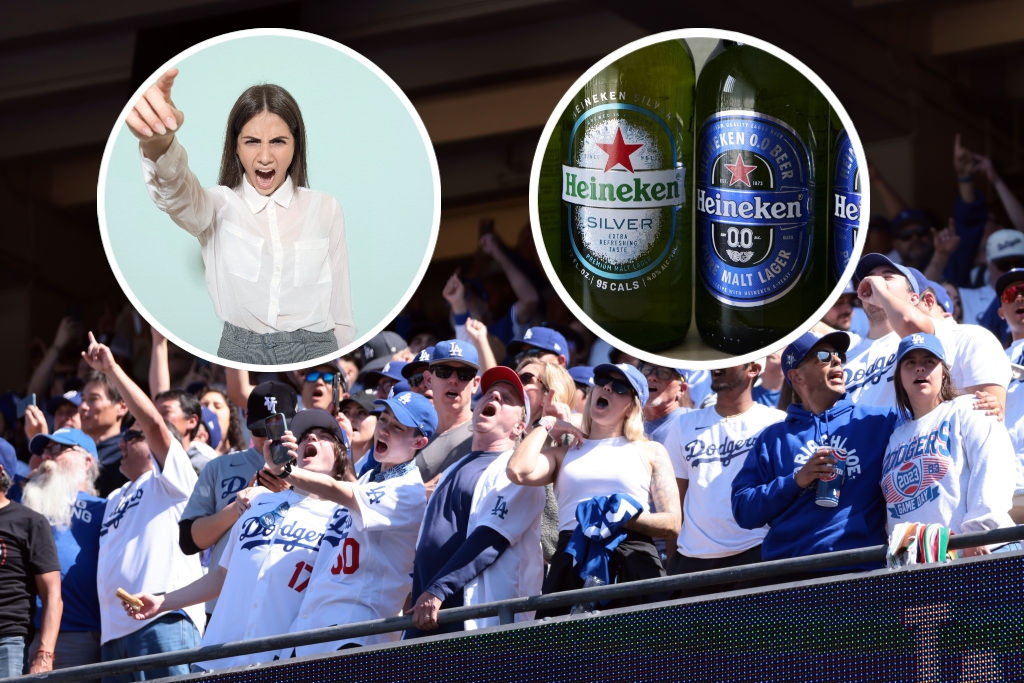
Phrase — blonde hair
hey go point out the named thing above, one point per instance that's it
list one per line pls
(632, 423)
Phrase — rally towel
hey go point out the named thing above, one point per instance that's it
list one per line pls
(600, 532)
(913, 543)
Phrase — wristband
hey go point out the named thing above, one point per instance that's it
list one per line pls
(547, 422)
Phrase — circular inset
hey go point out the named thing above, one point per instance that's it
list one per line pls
(666, 214)
(367, 148)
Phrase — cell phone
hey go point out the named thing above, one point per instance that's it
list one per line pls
(24, 403)
(276, 426)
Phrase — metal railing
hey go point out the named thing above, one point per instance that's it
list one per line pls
(506, 610)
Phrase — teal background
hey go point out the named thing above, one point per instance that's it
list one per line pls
(363, 148)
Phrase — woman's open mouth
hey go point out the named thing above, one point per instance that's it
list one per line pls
(265, 179)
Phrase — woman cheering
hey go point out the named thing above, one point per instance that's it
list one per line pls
(609, 466)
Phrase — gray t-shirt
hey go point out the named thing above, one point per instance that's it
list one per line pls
(444, 450)
(218, 483)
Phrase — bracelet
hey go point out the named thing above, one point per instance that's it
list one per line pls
(285, 472)
(547, 422)
(965, 179)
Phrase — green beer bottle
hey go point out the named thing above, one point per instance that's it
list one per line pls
(625, 225)
(762, 159)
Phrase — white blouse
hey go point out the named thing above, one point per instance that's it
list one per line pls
(275, 263)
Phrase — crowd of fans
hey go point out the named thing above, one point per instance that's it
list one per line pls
(501, 452)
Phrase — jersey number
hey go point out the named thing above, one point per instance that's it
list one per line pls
(300, 568)
(348, 558)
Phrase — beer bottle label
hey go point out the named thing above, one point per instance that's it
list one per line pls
(622, 191)
(845, 213)
(754, 207)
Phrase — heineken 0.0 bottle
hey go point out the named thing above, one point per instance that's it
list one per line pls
(626, 158)
(762, 252)
(844, 200)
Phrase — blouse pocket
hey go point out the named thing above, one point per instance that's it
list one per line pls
(312, 265)
(241, 252)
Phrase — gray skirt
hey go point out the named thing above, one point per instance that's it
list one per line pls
(274, 348)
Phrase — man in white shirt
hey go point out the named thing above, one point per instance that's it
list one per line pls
(140, 519)
(707, 448)
(480, 538)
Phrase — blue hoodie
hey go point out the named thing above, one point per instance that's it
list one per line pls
(765, 489)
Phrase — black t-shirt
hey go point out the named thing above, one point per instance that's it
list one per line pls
(26, 550)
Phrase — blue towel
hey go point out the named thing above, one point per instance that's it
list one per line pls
(600, 532)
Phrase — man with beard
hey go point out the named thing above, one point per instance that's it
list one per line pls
(707, 448)
(480, 538)
(775, 486)
(63, 490)
(668, 400)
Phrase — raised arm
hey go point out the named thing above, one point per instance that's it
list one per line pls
(1013, 206)
(159, 438)
(527, 298)
(68, 333)
(154, 118)
(535, 464)
(159, 371)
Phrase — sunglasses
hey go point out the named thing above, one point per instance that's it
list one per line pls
(619, 386)
(1006, 264)
(530, 378)
(55, 449)
(664, 374)
(445, 371)
(826, 356)
(1011, 292)
(314, 376)
(919, 231)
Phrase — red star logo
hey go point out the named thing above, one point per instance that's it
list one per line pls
(740, 171)
(618, 152)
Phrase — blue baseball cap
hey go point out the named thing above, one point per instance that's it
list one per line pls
(869, 262)
(543, 338)
(798, 350)
(412, 410)
(582, 374)
(921, 340)
(419, 363)
(67, 436)
(941, 296)
(212, 427)
(392, 370)
(632, 375)
(8, 459)
(68, 397)
(455, 351)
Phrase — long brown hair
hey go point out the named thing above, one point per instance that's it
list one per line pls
(947, 392)
(256, 100)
